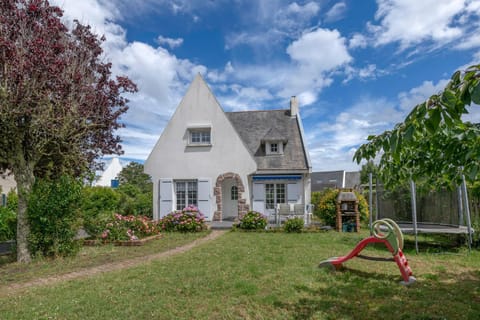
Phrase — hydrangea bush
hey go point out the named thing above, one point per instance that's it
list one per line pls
(190, 219)
(129, 228)
(253, 220)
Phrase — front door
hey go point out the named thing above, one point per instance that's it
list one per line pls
(274, 194)
(229, 199)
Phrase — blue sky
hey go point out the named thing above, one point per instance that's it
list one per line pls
(357, 67)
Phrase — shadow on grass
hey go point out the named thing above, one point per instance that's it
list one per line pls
(437, 242)
(354, 294)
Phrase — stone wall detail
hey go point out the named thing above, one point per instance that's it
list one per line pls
(243, 206)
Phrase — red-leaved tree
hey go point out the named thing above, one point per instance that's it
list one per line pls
(59, 104)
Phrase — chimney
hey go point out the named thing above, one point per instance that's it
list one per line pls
(293, 106)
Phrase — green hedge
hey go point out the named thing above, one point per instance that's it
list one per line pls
(325, 206)
(54, 217)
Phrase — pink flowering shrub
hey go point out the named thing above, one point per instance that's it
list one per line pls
(190, 219)
(253, 220)
(129, 228)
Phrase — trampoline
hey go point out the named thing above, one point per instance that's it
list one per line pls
(425, 227)
(440, 212)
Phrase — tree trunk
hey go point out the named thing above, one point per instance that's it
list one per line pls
(25, 178)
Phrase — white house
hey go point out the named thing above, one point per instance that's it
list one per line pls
(7, 184)
(228, 163)
(110, 174)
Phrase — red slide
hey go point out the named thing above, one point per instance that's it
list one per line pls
(393, 240)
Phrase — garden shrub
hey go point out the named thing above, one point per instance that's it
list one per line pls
(8, 224)
(54, 217)
(8, 218)
(130, 227)
(325, 206)
(12, 201)
(132, 200)
(294, 225)
(190, 219)
(253, 220)
(98, 206)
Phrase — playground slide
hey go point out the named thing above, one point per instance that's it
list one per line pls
(392, 239)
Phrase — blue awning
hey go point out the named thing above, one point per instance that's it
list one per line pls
(278, 177)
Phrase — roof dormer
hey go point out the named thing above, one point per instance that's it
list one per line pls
(274, 141)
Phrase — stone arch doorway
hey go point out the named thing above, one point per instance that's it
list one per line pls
(229, 194)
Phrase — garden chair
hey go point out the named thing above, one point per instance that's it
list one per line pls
(299, 211)
(283, 211)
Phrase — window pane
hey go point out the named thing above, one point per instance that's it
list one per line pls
(270, 196)
(234, 193)
(195, 136)
(274, 147)
(280, 193)
(206, 137)
(180, 194)
(199, 136)
(192, 193)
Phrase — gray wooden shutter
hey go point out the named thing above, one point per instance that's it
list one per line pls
(293, 192)
(204, 197)
(259, 197)
(166, 196)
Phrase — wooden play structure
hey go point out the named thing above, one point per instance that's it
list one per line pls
(348, 216)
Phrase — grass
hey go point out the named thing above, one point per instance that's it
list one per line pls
(88, 257)
(247, 275)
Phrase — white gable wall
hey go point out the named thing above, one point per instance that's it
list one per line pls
(171, 158)
(110, 173)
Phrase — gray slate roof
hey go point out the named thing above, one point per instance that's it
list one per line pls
(254, 126)
(326, 179)
(334, 179)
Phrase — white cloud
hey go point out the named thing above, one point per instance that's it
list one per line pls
(336, 12)
(357, 41)
(368, 72)
(321, 50)
(419, 94)
(172, 43)
(161, 77)
(243, 98)
(309, 9)
(333, 143)
(269, 23)
(306, 98)
(411, 21)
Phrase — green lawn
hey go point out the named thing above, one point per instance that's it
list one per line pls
(247, 275)
(88, 257)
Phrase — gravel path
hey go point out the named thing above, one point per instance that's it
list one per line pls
(114, 266)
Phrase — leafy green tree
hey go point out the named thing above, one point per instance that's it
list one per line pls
(368, 168)
(135, 191)
(432, 144)
(59, 105)
(133, 174)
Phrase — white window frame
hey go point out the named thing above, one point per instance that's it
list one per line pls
(199, 136)
(271, 144)
(190, 186)
(275, 193)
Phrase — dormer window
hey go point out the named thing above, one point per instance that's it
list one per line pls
(274, 141)
(274, 147)
(199, 137)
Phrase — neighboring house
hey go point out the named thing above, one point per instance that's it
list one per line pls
(335, 179)
(228, 163)
(7, 184)
(109, 177)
